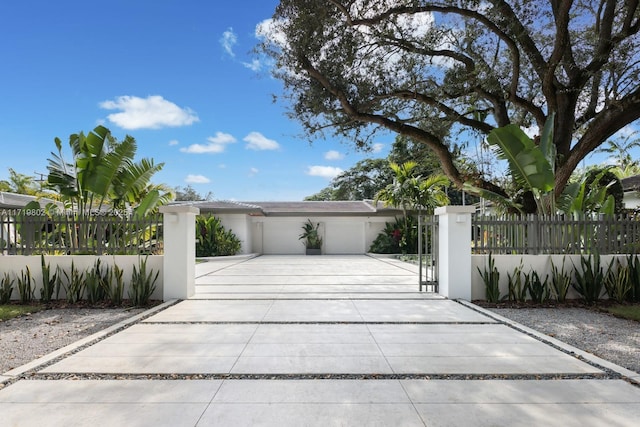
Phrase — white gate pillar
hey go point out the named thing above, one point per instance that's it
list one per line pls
(179, 262)
(454, 251)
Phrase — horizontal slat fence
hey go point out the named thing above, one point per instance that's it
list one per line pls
(559, 234)
(100, 233)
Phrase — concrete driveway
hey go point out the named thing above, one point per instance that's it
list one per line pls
(319, 341)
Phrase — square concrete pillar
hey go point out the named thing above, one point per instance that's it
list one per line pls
(454, 251)
(179, 263)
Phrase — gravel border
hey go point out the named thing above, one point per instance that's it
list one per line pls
(26, 338)
(601, 334)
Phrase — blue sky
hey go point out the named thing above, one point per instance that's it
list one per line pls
(177, 75)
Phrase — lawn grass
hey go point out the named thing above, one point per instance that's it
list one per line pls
(10, 311)
(631, 312)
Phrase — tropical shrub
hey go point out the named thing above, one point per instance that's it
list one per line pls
(589, 278)
(491, 278)
(560, 282)
(538, 289)
(212, 239)
(398, 237)
(95, 283)
(48, 281)
(617, 282)
(114, 284)
(25, 288)
(311, 235)
(142, 284)
(75, 284)
(633, 262)
(517, 289)
(6, 288)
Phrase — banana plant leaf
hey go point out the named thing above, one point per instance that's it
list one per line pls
(527, 163)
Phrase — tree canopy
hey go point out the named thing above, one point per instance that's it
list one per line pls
(445, 72)
(20, 183)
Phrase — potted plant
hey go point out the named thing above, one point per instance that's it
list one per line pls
(311, 237)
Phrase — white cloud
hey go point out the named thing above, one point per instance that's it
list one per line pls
(376, 148)
(216, 144)
(228, 41)
(253, 172)
(268, 29)
(174, 142)
(259, 142)
(328, 172)
(333, 155)
(152, 112)
(197, 179)
(254, 65)
(222, 138)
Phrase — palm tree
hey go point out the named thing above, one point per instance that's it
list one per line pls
(620, 149)
(409, 191)
(413, 192)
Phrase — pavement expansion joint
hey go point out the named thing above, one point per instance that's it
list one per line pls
(311, 299)
(314, 322)
(319, 376)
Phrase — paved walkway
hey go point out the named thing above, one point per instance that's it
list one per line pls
(319, 341)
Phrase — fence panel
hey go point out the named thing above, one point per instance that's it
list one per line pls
(556, 234)
(98, 233)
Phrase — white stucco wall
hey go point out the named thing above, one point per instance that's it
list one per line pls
(344, 237)
(539, 263)
(280, 235)
(14, 264)
(241, 227)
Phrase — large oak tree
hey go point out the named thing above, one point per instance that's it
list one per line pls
(437, 71)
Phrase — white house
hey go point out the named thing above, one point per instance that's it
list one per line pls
(346, 227)
(631, 188)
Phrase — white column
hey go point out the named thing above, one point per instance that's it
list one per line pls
(454, 252)
(179, 261)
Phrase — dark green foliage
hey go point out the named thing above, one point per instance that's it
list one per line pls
(95, 283)
(560, 282)
(589, 278)
(633, 262)
(6, 288)
(142, 284)
(115, 285)
(491, 278)
(59, 283)
(311, 235)
(617, 282)
(213, 240)
(25, 288)
(605, 178)
(395, 239)
(517, 289)
(48, 282)
(538, 289)
(75, 284)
